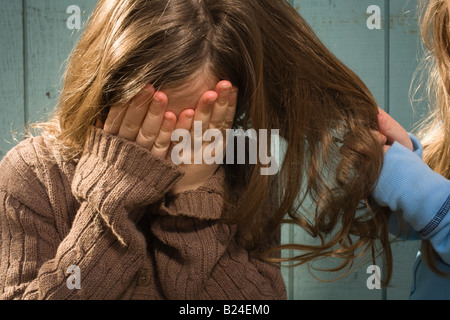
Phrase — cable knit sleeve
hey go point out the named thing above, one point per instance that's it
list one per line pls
(57, 218)
(111, 179)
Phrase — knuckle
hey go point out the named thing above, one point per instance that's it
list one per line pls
(161, 145)
(130, 125)
(228, 124)
(155, 111)
(147, 135)
(216, 124)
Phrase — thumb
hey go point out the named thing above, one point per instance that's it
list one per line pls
(393, 130)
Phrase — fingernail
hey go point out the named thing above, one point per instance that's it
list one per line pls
(226, 89)
(380, 118)
(212, 98)
(190, 114)
(168, 117)
(149, 88)
(226, 85)
(156, 100)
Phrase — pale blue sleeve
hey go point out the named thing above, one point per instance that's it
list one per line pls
(407, 185)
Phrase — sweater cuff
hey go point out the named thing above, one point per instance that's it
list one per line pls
(408, 185)
(417, 145)
(131, 159)
(115, 173)
(205, 203)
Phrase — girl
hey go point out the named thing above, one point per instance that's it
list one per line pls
(423, 195)
(97, 193)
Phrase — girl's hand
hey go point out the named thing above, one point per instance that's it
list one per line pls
(391, 131)
(215, 110)
(143, 120)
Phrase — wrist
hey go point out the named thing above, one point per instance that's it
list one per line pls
(408, 185)
(195, 178)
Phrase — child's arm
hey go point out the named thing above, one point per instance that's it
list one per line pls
(39, 242)
(408, 185)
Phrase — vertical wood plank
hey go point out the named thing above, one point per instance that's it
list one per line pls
(404, 60)
(49, 43)
(342, 26)
(11, 73)
(405, 55)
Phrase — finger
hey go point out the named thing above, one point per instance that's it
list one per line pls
(219, 111)
(153, 120)
(204, 108)
(135, 115)
(393, 130)
(231, 110)
(184, 122)
(163, 141)
(380, 137)
(115, 118)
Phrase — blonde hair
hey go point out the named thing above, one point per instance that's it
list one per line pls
(435, 133)
(287, 80)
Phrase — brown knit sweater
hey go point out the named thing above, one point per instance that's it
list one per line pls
(110, 215)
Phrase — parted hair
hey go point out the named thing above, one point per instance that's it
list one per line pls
(287, 80)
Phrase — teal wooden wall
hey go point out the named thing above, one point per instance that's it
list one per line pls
(36, 41)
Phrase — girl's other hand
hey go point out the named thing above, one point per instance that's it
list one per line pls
(143, 120)
(216, 111)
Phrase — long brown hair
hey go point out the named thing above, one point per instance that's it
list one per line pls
(435, 133)
(287, 80)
